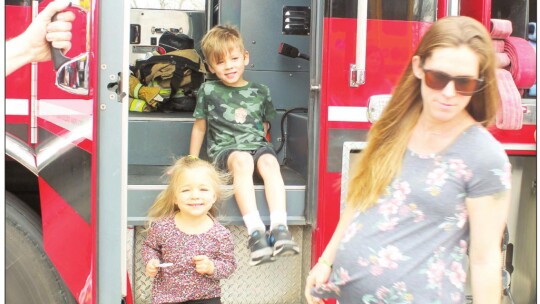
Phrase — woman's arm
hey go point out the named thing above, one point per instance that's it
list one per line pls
(487, 217)
(320, 273)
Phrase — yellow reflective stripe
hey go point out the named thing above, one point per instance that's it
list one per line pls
(136, 90)
(165, 92)
(137, 105)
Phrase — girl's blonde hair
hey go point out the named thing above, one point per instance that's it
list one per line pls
(165, 203)
(219, 41)
(380, 161)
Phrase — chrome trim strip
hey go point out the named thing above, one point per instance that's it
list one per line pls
(345, 165)
(22, 153)
(33, 89)
(520, 147)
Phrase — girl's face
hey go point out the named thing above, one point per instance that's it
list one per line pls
(230, 68)
(195, 195)
(447, 103)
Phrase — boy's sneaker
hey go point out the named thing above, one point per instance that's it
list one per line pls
(261, 252)
(280, 238)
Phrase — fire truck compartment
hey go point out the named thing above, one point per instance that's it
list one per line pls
(156, 139)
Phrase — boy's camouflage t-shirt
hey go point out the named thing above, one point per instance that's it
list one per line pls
(234, 116)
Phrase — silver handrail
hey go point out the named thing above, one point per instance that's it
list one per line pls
(357, 74)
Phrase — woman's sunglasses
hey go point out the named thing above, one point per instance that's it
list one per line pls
(464, 85)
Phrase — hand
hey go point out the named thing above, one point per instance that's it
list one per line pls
(152, 268)
(203, 265)
(34, 44)
(319, 274)
(42, 31)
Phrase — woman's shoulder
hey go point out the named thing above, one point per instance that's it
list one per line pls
(483, 138)
(481, 146)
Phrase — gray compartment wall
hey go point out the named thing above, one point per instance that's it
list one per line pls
(287, 78)
(296, 149)
(191, 23)
(156, 139)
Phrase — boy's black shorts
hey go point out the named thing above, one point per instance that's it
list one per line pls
(221, 161)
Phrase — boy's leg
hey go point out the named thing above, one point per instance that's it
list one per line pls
(241, 165)
(280, 238)
(274, 188)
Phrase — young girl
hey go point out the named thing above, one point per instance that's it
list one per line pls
(186, 249)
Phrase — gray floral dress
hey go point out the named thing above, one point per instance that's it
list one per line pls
(411, 247)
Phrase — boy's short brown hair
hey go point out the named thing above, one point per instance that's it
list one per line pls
(220, 40)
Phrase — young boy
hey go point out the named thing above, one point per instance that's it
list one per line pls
(236, 113)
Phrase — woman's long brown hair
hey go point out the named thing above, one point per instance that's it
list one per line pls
(380, 161)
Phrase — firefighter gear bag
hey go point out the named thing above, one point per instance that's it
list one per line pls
(177, 74)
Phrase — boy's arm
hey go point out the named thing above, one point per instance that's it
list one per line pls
(197, 136)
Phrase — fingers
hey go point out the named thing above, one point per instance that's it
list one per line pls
(313, 280)
(59, 31)
(310, 283)
(151, 268)
(203, 264)
(63, 23)
(199, 258)
(53, 8)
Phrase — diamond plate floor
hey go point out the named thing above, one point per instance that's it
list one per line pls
(280, 282)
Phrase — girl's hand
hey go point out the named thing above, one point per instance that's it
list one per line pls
(203, 265)
(319, 274)
(152, 268)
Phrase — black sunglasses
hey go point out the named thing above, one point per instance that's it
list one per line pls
(465, 85)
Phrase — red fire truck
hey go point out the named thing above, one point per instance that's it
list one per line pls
(81, 169)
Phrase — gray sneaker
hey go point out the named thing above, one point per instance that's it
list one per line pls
(281, 239)
(261, 252)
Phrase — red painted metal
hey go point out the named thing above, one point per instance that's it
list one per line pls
(67, 238)
(19, 80)
(478, 9)
(69, 241)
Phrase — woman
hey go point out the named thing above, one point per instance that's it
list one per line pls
(430, 193)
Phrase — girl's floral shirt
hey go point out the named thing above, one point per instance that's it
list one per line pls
(180, 282)
(411, 247)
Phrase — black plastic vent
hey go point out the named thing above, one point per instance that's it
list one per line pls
(296, 20)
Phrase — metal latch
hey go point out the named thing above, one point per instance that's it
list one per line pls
(116, 86)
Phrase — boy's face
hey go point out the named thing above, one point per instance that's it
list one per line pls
(230, 68)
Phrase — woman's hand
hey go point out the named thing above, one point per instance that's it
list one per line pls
(319, 274)
(152, 268)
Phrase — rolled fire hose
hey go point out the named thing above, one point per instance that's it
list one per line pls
(503, 60)
(500, 29)
(510, 113)
(498, 45)
(522, 61)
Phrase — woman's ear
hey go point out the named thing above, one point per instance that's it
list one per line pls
(417, 67)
